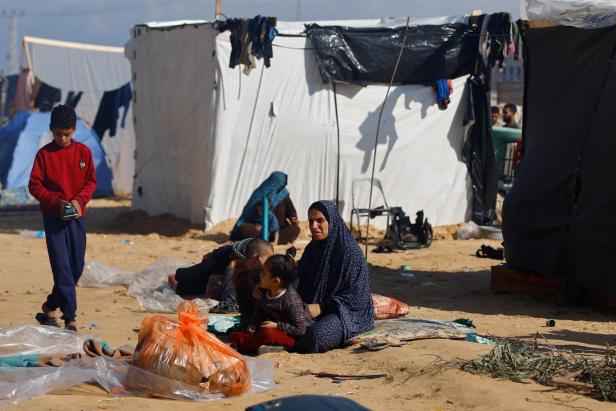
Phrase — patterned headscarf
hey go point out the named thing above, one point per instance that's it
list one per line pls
(239, 248)
(274, 187)
(334, 273)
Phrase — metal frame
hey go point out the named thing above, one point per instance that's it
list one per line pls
(358, 213)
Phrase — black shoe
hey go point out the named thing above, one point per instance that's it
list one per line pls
(44, 319)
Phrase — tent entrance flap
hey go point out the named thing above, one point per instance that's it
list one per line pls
(559, 215)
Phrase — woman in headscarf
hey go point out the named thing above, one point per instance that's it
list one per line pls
(333, 280)
(249, 223)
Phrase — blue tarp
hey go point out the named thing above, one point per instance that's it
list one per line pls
(21, 139)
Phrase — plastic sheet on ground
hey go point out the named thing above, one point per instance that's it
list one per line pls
(149, 287)
(470, 229)
(221, 324)
(587, 14)
(410, 329)
(117, 377)
(38, 339)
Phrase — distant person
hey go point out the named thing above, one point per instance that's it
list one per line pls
(252, 227)
(495, 116)
(509, 115)
(249, 223)
(63, 180)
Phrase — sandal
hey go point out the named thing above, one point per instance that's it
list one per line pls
(44, 319)
(383, 249)
(489, 252)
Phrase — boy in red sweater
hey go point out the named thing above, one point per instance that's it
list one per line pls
(63, 180)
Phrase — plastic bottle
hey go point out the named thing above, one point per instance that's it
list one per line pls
(405, 271)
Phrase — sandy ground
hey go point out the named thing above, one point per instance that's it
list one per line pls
(450, 283)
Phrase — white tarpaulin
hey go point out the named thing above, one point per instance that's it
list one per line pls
(207, 135)
(92, 70)
(587, 14)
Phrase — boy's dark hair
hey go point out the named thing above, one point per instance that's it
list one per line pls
(63, 117)
(512, 107)
(257, 247)
(495, 109)
(283, 267)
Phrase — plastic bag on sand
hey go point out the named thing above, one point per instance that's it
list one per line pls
(38, 339)
(149, 287)
(98, 275)
(469, 230)
(183, 351)
(387, 307)
(117, 377)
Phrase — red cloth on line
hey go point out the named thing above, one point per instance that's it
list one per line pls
(246, 342)
(62, 173)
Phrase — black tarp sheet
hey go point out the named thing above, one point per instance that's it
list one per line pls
(478, 150)
(559, 218)
(368, 55)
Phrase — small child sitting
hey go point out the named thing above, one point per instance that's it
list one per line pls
(280, 315)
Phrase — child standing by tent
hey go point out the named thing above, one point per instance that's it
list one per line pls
(280, 315)
(63, 180)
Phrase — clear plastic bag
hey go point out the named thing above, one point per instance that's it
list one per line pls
(117, 377)
(587, 14)
(38, 339)
(469, 230)
(149, 287)
(184, 351)
(98, 275)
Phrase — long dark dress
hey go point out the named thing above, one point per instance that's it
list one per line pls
(334, 274)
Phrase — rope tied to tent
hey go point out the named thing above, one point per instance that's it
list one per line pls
(378, 127)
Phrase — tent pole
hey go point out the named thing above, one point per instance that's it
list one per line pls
(338, 160)
(26, 53)
(218, 10)
(378, 126)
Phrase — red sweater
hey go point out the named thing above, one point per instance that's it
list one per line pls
(62, 174)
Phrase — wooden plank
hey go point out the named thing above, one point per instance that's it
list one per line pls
(515, 281)
(511, 280)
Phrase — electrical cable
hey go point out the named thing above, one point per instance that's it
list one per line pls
(378, 126)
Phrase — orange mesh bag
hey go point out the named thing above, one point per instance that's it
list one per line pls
(387, 307)
(184, 351)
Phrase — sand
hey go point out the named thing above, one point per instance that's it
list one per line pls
(450, 283)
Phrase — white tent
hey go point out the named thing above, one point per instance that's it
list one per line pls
(207, 135)
(91, 69)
